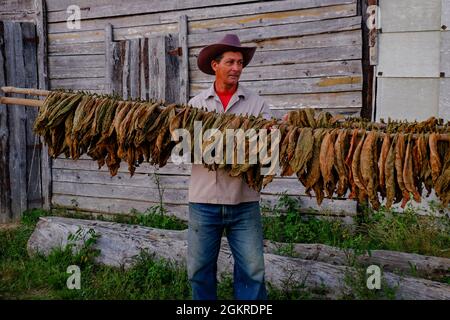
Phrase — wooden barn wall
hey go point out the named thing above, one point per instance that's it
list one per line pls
(309, 54)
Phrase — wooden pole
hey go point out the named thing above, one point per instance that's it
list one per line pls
(21, 101)
(31, 92)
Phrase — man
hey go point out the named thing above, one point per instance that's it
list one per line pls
(218, 202)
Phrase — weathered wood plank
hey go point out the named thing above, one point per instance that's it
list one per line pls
(113, 63)
(43, 78)
(403, 54)
(278, 31)
(33, 146)
(88, 164)
(16, 76)
(5, 186)
(79, 73)
(172, 69)
(61, 5)
(184, 62)
(17, 10)
(297, 56)
(76, 37)
(16, 5)
(145, 180)
(65, 49)
(126, 71)
(135, 89)
(304, 70)
(197, 13)
(157, 67)
(111, 9)
(315, 100)
(324, 40)
(410, 15)
(144, 76)
(113, 206)
(170, 196)
(75, 61)
(87, 84)
(272, 18)
(293, 86)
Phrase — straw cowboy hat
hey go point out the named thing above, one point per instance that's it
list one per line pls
(230, 42)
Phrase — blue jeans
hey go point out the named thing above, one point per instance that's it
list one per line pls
(242, 223)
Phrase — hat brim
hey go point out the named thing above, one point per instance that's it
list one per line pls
(208, 53)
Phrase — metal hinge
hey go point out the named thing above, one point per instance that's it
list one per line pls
(176, 52)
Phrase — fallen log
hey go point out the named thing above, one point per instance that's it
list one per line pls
(428, 267)
(120, 244)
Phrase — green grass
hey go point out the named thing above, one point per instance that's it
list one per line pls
(44, 277)
(406, 232)
(154, 216)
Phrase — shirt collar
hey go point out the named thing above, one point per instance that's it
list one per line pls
(211, 93)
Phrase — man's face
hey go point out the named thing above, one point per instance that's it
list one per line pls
(229, 69)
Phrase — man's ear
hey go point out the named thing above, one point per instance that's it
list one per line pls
(214, 65)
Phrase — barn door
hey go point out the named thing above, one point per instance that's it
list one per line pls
(147, 68)
(20, 154)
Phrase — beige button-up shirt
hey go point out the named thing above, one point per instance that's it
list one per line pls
(218, 187)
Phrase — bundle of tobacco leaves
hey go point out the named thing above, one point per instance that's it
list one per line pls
(368, 161)
(332, 156)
